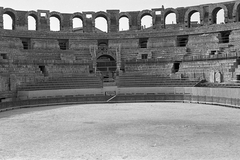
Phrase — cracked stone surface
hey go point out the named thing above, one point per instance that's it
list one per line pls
(139, 131)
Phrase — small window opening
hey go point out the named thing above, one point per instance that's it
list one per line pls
(4, 56)
(102, 45)
(103, 41)
(63, 44)
(213, 52)
(144, 56)
(238, 77)
(224, 36)
(2, 99)
(43, 70)
(26, 43)
(43, 14)
(158, 12)
(176, 66)
(89, 15)
(182, 41)
(143, 42)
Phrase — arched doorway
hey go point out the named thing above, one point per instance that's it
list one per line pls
(106, 65)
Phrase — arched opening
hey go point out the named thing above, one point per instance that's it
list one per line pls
(170, 19)
(8, 21)
(101, 25)
(218, 16)
(194, 19)
(55, 24)
(107, 66)
(32, 23)
(77, 24)
(146, 21)
(123, 24)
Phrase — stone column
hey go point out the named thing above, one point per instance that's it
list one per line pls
(93, 52)
(44, 22)
(1, 17)
(118, 57)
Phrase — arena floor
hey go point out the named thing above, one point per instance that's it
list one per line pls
(145, 131)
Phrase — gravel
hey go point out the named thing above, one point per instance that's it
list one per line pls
(138, 131)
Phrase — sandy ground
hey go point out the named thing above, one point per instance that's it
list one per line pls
(147, 131)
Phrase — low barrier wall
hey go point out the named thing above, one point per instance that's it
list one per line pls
(217, 96)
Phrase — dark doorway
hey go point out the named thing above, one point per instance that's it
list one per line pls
(107, 66)
(176, 66)
(43, 70)
(238, 77)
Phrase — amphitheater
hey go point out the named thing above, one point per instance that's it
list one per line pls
(169, 91)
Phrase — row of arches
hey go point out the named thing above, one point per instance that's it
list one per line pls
(194, 16)
(77, 23)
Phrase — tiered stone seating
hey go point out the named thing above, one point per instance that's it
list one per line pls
(38, 56)
(203, 69)
(131, 80)
(6, 94)
(83, 55)
(76, 82)
(219, 85)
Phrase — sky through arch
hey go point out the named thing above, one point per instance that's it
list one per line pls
(96, 5)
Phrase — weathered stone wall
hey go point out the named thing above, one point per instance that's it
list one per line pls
(7, 43)
(4, 85)
(162, 43)
(150, 68)
(80, 44)
(203, 44)
(66, 70)
(207, 70)
(44, 44)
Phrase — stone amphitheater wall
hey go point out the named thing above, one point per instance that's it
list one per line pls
(24, 53)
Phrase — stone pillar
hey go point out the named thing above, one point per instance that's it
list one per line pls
(66, 26)
(134, 21)
(157, 16)
(113, 27)
(1, 17)
(206, 15)
(93, 52)
(44, 23)
(118, 57)
(21, 22)
(89, 27)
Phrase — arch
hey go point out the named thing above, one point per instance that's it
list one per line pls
(190, 12)
(214, 10)
(123, 24)
(169, 11)
(142, 14)
(127, 15)
(107, 65)
(35, 16)
(12, 13)
(106, 55)
(103, 15)
(77, 15)
(58, 16)
(236, 11)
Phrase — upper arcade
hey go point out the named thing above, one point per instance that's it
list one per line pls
(207, 15)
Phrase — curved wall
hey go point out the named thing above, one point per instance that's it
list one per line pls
(207, 17)
(27, 56)
(216, 96)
